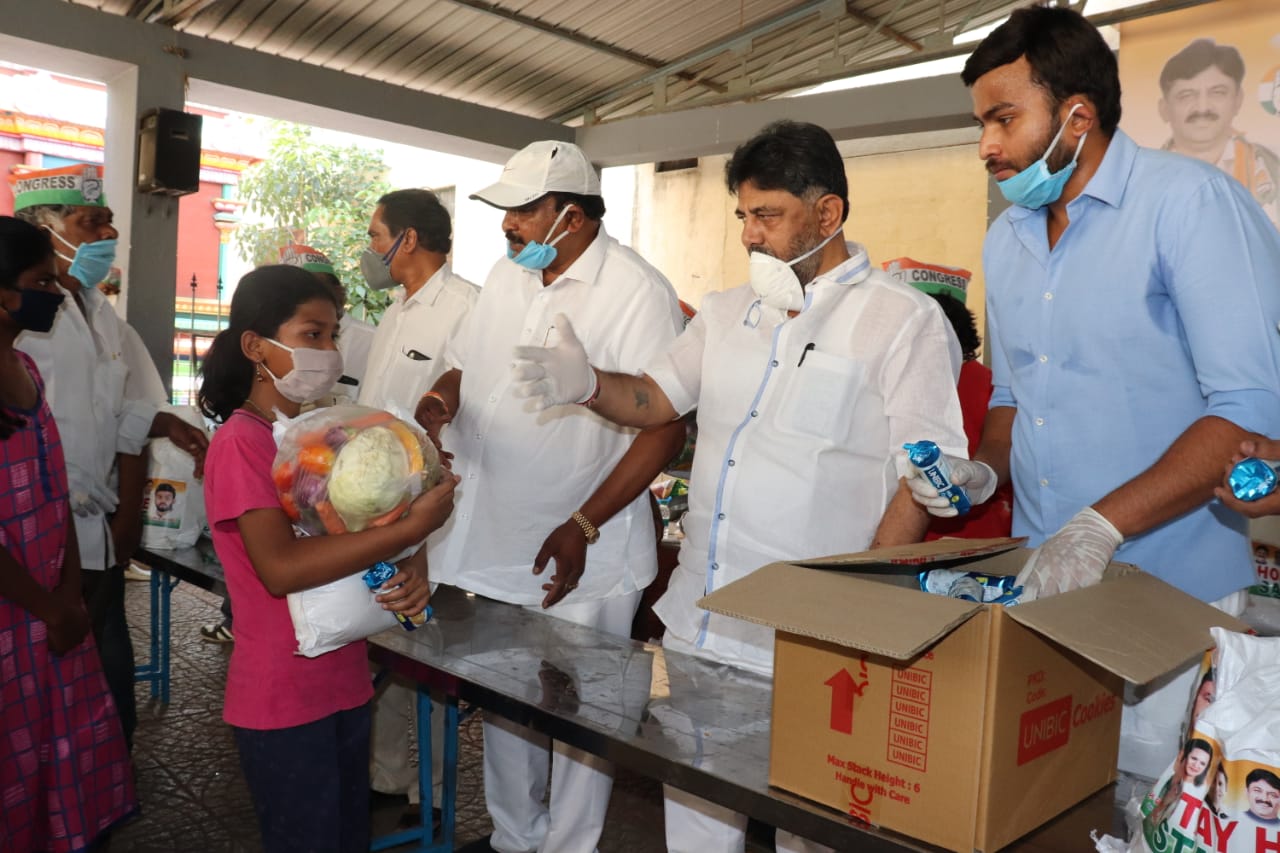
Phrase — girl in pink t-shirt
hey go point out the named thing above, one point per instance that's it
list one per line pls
(301, 724)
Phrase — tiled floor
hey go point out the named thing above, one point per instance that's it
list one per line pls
(194, 798)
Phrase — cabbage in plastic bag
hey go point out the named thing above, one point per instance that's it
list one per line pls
(346, 468)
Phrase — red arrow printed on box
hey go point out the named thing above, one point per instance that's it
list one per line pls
(843, 690)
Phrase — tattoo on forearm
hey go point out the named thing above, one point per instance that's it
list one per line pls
(642, 398)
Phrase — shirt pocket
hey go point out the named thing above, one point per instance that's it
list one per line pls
(820, 396)
(110, 379)
(412, 377)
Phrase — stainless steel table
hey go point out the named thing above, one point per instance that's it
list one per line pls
(696, 725)
(681, 720)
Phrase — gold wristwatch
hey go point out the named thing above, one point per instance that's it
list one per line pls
(589, 530)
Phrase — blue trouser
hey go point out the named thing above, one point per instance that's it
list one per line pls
(310, 783)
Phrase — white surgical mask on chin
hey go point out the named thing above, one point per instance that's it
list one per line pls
(775, 281)
(314, 373)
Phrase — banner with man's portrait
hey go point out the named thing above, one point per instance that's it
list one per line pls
(1205, 82)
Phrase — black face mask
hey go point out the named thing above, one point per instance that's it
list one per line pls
(38, 310)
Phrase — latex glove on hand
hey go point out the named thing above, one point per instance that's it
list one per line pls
(87, 496)
(978, 479)
(555, 376)
(106, 499)
(1074, 557)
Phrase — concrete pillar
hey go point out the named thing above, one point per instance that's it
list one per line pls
(148, 224)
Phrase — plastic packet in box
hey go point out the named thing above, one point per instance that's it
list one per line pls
(344, 469)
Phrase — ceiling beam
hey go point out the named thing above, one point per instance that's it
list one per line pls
(580, 39)
(911, 106)
(878, 25)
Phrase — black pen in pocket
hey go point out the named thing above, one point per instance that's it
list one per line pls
(807, 347)
(415, 355)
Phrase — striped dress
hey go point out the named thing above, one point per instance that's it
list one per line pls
(65, 774)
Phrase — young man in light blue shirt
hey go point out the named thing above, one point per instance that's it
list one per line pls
(1132, 305)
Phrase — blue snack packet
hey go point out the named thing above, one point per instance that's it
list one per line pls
(928, 457)
(381, 572)
(971, 586)
(1252, 479)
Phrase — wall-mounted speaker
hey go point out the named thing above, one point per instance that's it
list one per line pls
(169, 152)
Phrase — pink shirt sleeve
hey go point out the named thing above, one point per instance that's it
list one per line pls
(238, 469)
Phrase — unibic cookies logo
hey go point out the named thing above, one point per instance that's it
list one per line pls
(1048, 727)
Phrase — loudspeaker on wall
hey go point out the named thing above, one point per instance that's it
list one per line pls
(169, 152)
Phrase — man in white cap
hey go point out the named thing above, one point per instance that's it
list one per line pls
(561, 489)
(105, 395)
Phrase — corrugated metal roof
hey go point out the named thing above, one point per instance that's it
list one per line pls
(567, 59)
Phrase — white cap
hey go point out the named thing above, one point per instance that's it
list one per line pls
(540, 168)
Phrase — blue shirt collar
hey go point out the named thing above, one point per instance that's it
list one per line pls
(1108, 183)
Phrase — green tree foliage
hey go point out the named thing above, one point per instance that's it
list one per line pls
(319, 195)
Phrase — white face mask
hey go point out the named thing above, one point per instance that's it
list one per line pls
(775, 282)
(313, 375)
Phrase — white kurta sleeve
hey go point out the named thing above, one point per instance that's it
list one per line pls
(677, 370)
(144, 393)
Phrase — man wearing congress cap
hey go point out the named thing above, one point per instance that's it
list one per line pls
(105, 396)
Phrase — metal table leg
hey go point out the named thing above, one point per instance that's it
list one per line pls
(156, 669)
(422, 836)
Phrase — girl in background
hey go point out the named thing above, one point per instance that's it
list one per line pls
(301, 724)
(65, 776)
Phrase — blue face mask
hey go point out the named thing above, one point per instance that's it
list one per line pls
(538, 256)
(92, 261)
(1034, 186)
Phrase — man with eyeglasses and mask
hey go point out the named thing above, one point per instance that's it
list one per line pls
(105, 394)
(807, 381)
(1132, 309)
(552, 511)
(410, 236)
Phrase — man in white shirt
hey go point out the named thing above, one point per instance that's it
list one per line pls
(102, 388)
(355, 337)
(410, 236)
(561, 489)
(807, 382)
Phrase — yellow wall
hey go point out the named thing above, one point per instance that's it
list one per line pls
(929, 204)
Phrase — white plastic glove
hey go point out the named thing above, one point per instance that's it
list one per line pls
(80, 492)
(106, 499)
(1074, 557)
(978, 479)
(554, 376)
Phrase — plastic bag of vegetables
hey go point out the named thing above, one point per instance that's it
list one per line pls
(344, 469)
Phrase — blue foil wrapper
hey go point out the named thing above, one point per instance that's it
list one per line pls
(1252, 479)
(996, 589)
(928, 457)
(381, 572)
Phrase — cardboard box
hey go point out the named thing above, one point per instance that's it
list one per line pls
(964, 725)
